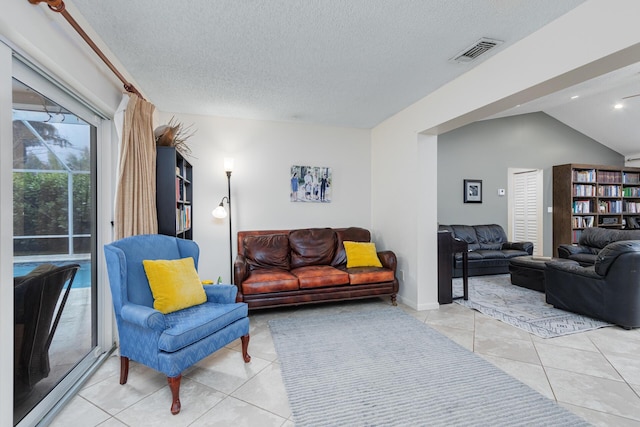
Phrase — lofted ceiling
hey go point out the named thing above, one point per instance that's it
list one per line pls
(350, 63)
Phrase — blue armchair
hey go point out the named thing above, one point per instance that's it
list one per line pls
(168, 343)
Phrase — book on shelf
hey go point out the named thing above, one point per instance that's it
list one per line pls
(584, 175)
(631, 178)
(583, 190)
(582, 221)
(582, 206)
(631, 192)
(609, 176)
(187, 217)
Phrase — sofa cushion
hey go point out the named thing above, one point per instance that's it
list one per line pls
(312, 246)
(490, 236)
(466, 233)
(320, 276)
(190, 325)
(265, 280)
(363, 275)
(600, 237)
(267, 251)
(490, 254)
(352, 234)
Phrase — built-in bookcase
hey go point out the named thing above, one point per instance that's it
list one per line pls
(174, 193)
(593, 196)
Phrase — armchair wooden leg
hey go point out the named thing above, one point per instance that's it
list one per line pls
(124, 369)
(245, 347)
(174, 385)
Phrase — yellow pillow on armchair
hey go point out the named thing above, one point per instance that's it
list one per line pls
(361, 254)
(175, 284)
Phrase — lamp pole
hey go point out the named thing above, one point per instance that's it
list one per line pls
(230, 233)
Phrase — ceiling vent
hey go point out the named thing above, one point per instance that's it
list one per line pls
(475, 50)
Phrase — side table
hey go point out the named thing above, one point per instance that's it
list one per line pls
(447, 248)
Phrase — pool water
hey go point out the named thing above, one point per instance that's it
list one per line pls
(82, 279)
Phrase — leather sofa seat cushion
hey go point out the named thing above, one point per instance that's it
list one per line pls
(512, 253)
(269, 280)
(490, 254)
(312, 246)
(363, 275)
(320, 276)
(267, 251)
(351, 234)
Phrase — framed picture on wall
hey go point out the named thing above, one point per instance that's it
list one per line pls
(473, 191)
(310, 184)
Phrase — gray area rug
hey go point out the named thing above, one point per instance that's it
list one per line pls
(523, 308)
(386, 368)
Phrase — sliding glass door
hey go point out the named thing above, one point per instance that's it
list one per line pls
(54, 244)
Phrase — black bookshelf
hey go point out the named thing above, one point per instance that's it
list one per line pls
(174, 193)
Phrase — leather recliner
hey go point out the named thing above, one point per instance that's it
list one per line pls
(608, 290)
(592, 240)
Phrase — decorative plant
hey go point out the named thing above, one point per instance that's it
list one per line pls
(174, 134)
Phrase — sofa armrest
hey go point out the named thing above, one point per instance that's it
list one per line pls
(520, 246)
(240, 271)
(221, 294)
(566, 250)
(388, 260)
(571, 267)
(143, 316)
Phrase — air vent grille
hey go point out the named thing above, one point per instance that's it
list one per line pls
(475, 50)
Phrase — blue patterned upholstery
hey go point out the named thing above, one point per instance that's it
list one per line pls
(168, 343)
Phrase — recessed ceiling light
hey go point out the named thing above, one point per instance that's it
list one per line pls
(575, 97)
(618, 106)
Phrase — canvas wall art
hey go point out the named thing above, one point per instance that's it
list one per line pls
(310, 184)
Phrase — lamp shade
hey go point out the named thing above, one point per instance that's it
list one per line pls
(219, 212)
(228, 164)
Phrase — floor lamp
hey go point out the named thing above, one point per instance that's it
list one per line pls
(221, 213)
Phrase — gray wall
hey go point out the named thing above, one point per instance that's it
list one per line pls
(486, 149)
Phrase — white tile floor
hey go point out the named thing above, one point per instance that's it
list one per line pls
(595, 374)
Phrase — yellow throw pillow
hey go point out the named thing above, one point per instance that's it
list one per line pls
(361, 254)
(174, 284)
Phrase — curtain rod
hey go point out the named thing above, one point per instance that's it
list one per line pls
(59, 6)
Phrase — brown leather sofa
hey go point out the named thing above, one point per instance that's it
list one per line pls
(284, 267)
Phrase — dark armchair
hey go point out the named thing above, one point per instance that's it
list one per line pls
(608, 290)
(592, 240)
(36, 296)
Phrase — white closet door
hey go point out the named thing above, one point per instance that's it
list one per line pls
(526, 207)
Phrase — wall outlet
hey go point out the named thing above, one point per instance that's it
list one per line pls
(501, 192)
(549, 209)
(401, 274)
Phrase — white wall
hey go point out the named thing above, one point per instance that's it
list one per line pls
(263, 154)
(565, 52)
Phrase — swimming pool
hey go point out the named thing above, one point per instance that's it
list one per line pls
(82, 279)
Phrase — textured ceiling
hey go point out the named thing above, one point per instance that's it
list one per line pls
(347, 63)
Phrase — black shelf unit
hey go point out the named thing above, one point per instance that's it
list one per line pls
(174, 193)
